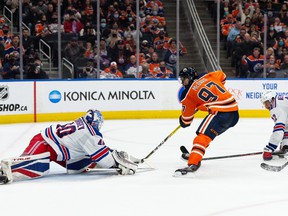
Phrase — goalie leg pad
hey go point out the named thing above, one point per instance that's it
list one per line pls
(26, 167)
(126, 166)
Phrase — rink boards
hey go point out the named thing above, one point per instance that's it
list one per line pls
(57, 100)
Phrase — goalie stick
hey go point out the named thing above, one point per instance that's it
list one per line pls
(115, 170)
(273, 168)
(137, 160)
(185, 155)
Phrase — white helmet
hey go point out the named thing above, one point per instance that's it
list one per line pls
(267, 96)
(94, 118)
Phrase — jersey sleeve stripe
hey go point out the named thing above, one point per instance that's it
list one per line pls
(101, 153)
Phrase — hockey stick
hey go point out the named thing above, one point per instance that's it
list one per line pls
(137, 160)
(185, 155)
(273, 168)
(115, 170)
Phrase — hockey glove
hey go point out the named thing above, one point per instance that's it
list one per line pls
(182, 124)
(267, 155)
(123, 163)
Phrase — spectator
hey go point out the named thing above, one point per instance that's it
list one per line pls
(27, 39)
(248, 12)
(284, 66)
(13, 47)
(278, 25)
(41, 6)
(130, 44)
(154, 64)
(50, 13)
(164, 72)
(88, 33)
(5, 35)
(33, 16)
(226, 25)
(272, 68)
(89, 52)
(170, 56)
(145, 73)
(283, 12)
(89, 71)
(144, 47)
(104, 55)
(104, 29)
(131, 67)
(239, 50)
(72, 24)
(11, 67)
(254, 64)
(234, 31)
(35, 71)
(132, 31)
(160, 41)
(73, 51)
(112, 40)
(121, 55)
(53, 26)
(111, 72)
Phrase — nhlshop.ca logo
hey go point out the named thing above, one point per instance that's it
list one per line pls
(12, 107)
(4, 95)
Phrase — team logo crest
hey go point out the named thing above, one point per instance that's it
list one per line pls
(4, 93)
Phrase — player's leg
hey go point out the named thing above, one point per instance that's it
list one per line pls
(38, 145)
(25, 167)
(34, 162)
(212, 125)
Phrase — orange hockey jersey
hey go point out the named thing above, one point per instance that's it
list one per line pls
(207, 94)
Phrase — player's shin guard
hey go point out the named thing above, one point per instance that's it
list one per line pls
(26, 167)
(200, 143)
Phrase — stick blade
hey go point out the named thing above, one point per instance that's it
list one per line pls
(272, 168)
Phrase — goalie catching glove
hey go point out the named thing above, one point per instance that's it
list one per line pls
(123, 163)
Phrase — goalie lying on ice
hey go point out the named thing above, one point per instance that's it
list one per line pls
(77, 145)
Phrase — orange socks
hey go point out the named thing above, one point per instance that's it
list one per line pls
(200, 143)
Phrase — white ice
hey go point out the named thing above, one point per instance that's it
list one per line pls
(225, 187)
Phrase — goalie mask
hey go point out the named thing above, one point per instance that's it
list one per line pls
(188, 72)
(94, 118)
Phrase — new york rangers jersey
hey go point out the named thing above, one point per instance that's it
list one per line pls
(77, 139)
(279, 114)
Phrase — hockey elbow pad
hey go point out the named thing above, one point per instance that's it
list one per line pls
(182, 124)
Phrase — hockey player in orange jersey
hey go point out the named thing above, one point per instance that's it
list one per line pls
(205, 92)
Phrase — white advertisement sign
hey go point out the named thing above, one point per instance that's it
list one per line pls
(107, 95)
(16, 98)
(248, 92)
(65, 96)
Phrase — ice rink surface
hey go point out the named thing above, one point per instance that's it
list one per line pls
(225, 187)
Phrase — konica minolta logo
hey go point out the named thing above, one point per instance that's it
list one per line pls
(4, 93)
(55, 96)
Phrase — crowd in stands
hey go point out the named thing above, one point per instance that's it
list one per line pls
(243, 33)
(118, 56)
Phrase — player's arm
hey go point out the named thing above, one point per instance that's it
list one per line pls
(188, 111)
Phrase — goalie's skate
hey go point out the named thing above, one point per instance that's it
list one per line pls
(3, 178)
